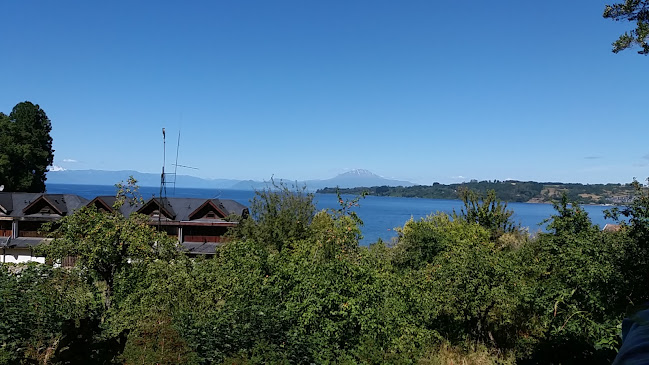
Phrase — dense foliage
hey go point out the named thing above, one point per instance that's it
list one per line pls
(634, 11)
(510, 190)
(25, 148)
(294, 286)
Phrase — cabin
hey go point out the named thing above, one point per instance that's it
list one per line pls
(199, 225)
(22, 216)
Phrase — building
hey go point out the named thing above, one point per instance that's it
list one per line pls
(21, 218)
(200, 225)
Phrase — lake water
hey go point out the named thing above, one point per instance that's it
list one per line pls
(380, 214)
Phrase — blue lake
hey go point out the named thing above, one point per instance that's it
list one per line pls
(380, 214)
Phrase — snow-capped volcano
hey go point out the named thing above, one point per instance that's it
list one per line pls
(359, 173)
(357, 178)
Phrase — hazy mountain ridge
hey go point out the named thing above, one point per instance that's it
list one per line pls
(103, 177)
(349, 179)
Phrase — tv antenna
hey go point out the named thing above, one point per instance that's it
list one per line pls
(169, 179)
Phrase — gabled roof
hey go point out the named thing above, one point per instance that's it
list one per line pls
(54, 201)
(208, 205)
(165, 207)
(19, 201)
(186, 209)
(6, 203)
(107, 202)
(103, 202)
(232, 207)
(23, 204)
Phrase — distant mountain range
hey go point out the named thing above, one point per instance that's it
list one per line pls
(350, 179)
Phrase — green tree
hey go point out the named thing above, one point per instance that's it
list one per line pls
(576, 297)
(43, 310)
(634, 219)
(108, 244)
(634, 11)
(25, 148)
(280, 216)
(113, 252)
(486, 210)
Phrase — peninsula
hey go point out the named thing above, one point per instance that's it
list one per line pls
(509, 190)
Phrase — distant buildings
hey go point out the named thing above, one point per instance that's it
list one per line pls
(198, 224)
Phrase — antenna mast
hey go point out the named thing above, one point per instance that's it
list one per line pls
(163, 182)
(176, 164)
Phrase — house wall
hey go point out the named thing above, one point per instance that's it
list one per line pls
(5, 228)
(204, 234)
(30, 229)
(19, 255)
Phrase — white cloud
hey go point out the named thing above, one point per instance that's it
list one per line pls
(55, 168)
(69, 160)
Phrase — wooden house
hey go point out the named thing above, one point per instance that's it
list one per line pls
(199, 225)
(21, 218)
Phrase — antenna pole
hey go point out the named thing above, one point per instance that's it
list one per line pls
(162, 178)
(176, 164)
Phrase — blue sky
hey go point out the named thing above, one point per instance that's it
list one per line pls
(417, 90)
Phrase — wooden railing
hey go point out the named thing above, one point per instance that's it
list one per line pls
(211, 239)
(68, 261)
(5, 232)
(29, 234)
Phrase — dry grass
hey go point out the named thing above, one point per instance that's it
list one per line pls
(447, 355)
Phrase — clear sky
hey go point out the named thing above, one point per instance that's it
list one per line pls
(416, 90)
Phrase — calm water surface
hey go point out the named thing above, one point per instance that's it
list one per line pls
(380, 214)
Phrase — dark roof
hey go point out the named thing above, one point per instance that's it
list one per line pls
(163, 206)
(6, 203)
(207, 206)
(56, 201)
(21, 242)
(232, 207)
(20, 202)
(109, 201)
(182, 208)
(103, 202)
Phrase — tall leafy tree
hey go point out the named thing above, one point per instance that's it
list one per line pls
(25, 148)
(486, 210)
(634, 11)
